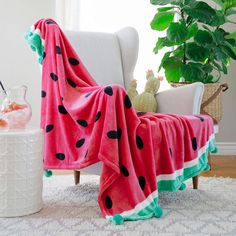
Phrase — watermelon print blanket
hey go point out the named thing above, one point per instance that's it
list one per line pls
(84, 123)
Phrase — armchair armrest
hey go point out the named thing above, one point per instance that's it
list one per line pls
(184, 100)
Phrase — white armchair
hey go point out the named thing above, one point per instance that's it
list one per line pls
(111, 59)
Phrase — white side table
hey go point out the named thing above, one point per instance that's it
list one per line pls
(21, 172)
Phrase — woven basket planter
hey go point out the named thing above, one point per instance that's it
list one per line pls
(212, 100)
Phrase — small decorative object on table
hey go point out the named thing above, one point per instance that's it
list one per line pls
(146, 101)
(15, 111)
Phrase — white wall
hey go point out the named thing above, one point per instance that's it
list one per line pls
(227, 134)
(18, 64)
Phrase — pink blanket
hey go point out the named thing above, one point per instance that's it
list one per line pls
(84, 123)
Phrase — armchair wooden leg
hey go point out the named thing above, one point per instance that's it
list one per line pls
(195, 182)
(77, 176)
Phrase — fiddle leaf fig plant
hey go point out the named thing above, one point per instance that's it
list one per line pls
(200, 49)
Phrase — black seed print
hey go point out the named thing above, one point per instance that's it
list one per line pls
(201, 118)
(108, 90)
(128, 103)
(54, 76)
(60, 156)
(49, 128)
(88, 94)
(71, 83)
(194, 143)
(58, 50)
(124, 171)
(44, 55)
(141, 113)
(82, 123)
(80, 143)
(62, 109)
(114, 134)
(43, 94)
(49, 22)
(170, 152)
(73, 61)
(108, 202)
(142, 182)
(139, 142)
(98, 115)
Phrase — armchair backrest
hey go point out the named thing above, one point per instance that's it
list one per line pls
(109, 57)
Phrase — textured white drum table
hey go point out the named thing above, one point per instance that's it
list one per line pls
(21, 172)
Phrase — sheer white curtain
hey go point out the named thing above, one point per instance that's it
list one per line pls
(67, 14)
(110, 16)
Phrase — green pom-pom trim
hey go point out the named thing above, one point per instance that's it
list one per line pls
(117, 219)
(207, 168)
(47, 173)
(158, 212)
(215, 150)
(183, 186)
(35, 43)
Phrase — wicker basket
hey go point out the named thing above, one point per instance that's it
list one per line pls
(212, 100)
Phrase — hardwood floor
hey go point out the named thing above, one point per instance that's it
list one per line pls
(224, 166)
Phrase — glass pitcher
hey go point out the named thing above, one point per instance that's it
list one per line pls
(15, 111)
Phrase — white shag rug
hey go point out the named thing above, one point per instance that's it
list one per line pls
(73, 210)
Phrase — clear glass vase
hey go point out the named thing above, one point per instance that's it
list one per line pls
(15, 111)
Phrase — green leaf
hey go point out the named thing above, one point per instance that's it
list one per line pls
(164, 58)
(230, 50)
(218, 19)
(195, 52)
(230, 12)
(229, 4)
(221, 56)
(231, 36)
(160, 2)
(163, 42)
(225, 70)
(201, 11)
(179, 52)
(218, 67)
(219, 36)
(203, 38)
(172, 69)
(159, 45)
(164, 9)
(162, 20)
(207, 68)
(209, 79)
(192, 30)
(177, 32)
(193, 72)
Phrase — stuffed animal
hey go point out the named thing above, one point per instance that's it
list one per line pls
(146, 101)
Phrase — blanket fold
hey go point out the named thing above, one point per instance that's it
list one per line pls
(84, 123)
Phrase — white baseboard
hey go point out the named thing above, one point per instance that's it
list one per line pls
(225, 148)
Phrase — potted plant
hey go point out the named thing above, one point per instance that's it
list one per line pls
(200, 49)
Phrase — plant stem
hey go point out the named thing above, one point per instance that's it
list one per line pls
(184, 57)
(3, 89)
